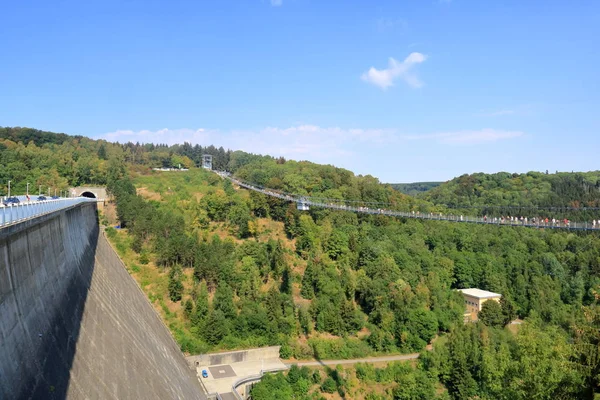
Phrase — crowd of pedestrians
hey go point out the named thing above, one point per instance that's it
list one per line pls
(502, 220)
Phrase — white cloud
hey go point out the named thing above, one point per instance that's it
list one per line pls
(329, 145)
(385, 78)
(468, 136)
(310, 142)
(165, 135)
(276, 3)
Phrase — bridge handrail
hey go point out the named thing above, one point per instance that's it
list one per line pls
(15, 213)
(539, 223)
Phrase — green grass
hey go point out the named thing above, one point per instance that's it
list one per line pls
(178, 185)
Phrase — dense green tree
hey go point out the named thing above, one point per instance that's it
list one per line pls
(249, 277)
(273, 387)
(188, 308)
(337, 244)
(508, 310)
(202, 306)
(175, 285)
(223, 301)
(216, 327)
(491, 314)
(329, 385)
(308, 280)
(102, 152)
(239, 217)
(286, 281)
(413, 384)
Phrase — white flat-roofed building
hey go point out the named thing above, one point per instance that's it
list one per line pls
(474, 299)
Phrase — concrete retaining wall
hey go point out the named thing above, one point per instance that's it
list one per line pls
(74, 324)
(230, 357)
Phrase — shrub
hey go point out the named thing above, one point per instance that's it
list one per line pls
(316, 377)
(365, 372)
(285, 351)
(329, 386)
(144, 258)
(339, 348)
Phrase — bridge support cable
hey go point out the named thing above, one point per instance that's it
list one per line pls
(305, 202)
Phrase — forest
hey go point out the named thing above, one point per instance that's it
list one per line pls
(573, 195)
(334, 284)
(415, 188)
(60, 161)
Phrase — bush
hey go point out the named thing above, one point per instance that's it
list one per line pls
(301, 351)
(316, 377)
(339, 348)
(329, 386)
(144, 258)
(365, 372)
(285, 351)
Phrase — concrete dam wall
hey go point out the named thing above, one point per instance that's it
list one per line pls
(74, 324)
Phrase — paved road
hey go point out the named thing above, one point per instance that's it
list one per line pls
(401, 357)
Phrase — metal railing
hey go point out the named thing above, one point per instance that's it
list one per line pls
(526, 222)
(15, 213)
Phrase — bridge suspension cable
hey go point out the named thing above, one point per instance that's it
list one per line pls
(305, 202)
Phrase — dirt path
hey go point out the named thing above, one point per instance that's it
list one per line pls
(316, 363)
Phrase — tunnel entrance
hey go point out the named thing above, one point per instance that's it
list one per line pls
(89, 195)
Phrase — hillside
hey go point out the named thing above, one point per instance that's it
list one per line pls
(59, 161)
(366, 284)
(415, 188)
(228, 268)
(533, 189)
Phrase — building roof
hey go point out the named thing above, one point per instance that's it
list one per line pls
(480, 294)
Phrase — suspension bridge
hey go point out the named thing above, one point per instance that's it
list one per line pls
(376, 208)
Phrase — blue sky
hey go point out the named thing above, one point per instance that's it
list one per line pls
(402, 90)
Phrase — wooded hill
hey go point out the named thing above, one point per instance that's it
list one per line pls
(415, 188)
(340, 285)
(533, 189)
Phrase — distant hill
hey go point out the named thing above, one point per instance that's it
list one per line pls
(532, 189)
(412, 189)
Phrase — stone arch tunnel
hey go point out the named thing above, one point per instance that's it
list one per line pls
(90, 192)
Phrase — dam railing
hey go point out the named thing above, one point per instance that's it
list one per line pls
(15, 213)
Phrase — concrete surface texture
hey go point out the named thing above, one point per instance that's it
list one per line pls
(222, 377)
(74, 324)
